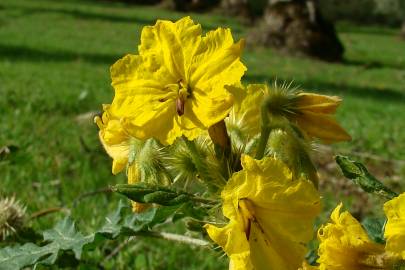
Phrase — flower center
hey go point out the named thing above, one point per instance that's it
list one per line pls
(182, 91)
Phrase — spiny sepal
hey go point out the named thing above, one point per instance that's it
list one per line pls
(147, 193)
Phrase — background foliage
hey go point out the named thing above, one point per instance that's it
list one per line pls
(388, 12)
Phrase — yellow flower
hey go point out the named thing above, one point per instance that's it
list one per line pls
(245, 114)
(313, 114)
(176, 85)
(270, 217)
(395, 227)
(345, 245)
(114, 139)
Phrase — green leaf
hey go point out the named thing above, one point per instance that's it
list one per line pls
(375, 229)
(65, 238)
(359, 174)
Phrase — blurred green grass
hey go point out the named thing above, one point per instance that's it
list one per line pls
(54, 67)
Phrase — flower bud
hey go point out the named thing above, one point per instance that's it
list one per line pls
(12, 216)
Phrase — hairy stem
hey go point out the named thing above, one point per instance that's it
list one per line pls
(265, 131)
(47, 211)
(176, 238)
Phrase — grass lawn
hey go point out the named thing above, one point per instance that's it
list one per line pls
(54, 72)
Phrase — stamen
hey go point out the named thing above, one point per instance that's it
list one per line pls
(181, 100)
(247, 212)
(180, 106)
(247, 232)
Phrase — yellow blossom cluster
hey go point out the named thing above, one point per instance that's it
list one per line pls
(183, 84)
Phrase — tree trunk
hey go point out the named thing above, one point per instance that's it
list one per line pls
(403, 30)
(142, 2)
(192, 5)
(297, 27)
(235, 7)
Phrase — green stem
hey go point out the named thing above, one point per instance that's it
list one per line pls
(265, 131)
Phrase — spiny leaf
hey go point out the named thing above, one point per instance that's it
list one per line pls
(17, 257)
(111, 227)
(359, 174)
(64, 236)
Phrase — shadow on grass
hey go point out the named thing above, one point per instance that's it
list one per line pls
(313, 85)
(112, 15)
(374, 64)
(352, 29)
(21, 53)
(85, 15)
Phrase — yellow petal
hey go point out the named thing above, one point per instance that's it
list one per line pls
(119, 165)
(114, 139)
(395, 228)
(215, 64)
(233, 240)
(322, 126)
(172, 44)
(138, 90)
(216, 57)
(245, 113)
(209, 109)
(318, 103)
